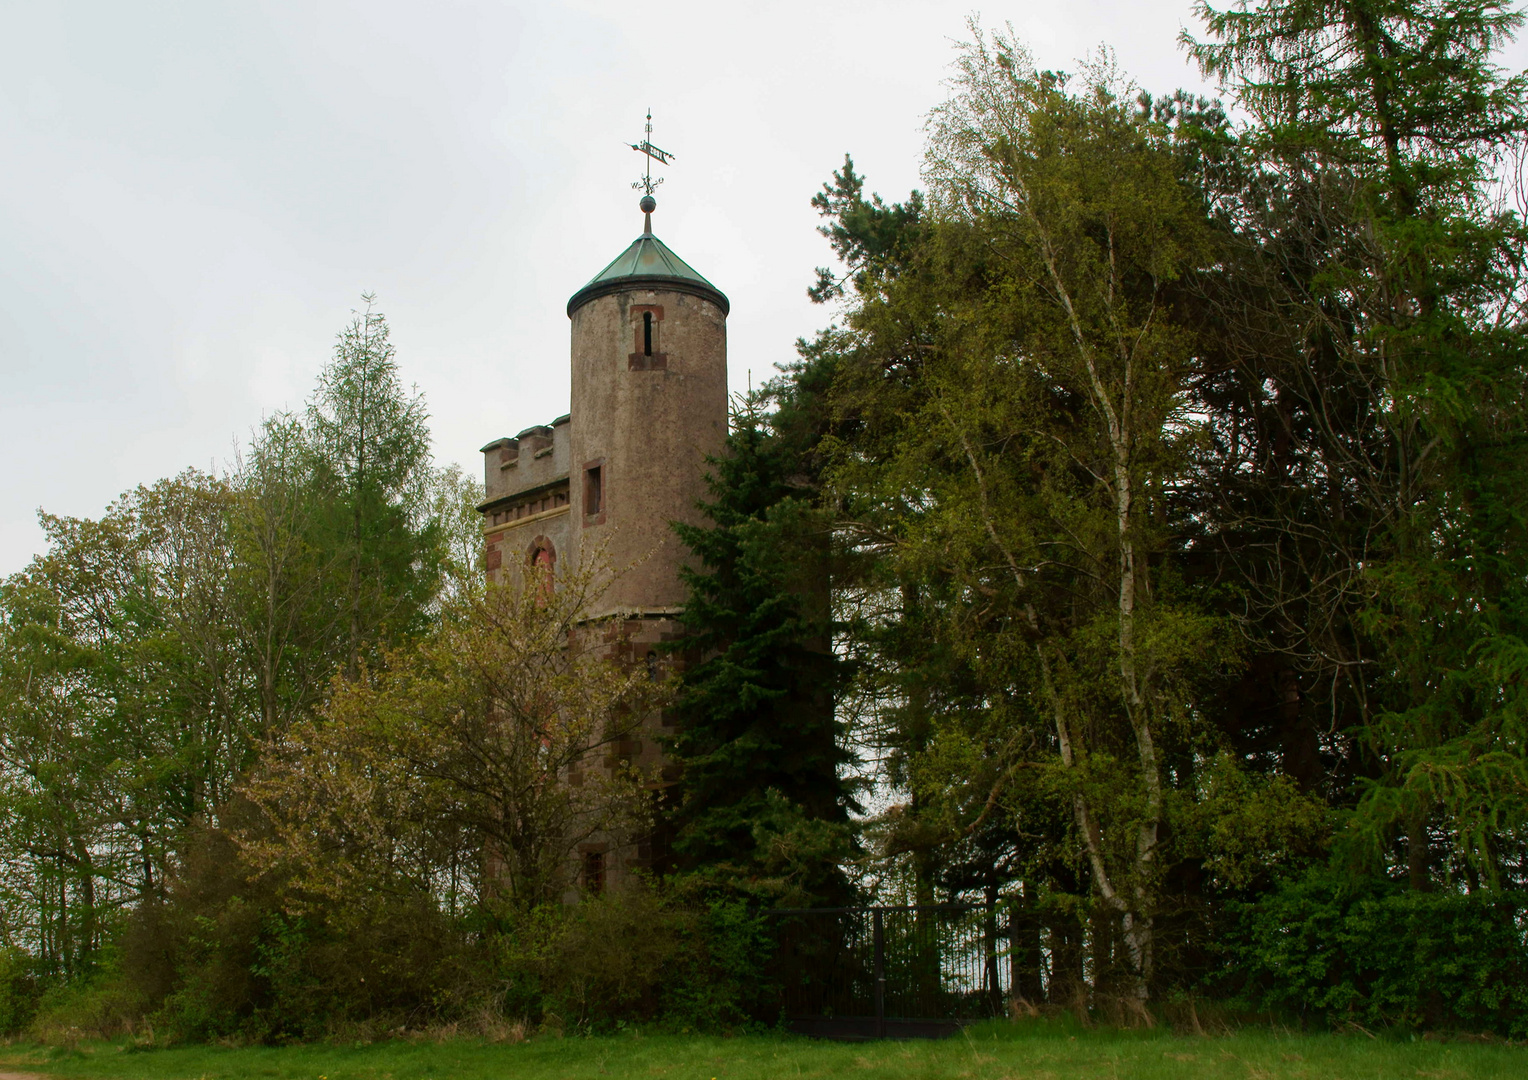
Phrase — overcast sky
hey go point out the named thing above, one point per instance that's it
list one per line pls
(194, 195)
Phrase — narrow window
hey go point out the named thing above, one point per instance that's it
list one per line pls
(652, 667)
(647, 333)
(594, 491)
(594, 871)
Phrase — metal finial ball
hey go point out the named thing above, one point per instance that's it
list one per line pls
(648, 204)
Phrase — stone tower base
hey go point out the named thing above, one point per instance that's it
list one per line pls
(644, 641)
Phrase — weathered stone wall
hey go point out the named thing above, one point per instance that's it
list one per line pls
(643, 643)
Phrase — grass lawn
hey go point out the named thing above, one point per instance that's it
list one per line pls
(985, 1052)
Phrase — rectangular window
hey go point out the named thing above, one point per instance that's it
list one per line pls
(594, 491)
(594, 871)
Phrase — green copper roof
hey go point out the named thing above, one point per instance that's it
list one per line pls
(648, 263)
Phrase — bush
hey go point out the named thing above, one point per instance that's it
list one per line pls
(1378, 956)
(723, 983)
(601, 961)
(232, 954)
(19, 990)
(102, 1005)
(636, 956)
(262, 974)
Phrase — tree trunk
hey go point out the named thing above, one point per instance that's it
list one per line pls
(1418, 854)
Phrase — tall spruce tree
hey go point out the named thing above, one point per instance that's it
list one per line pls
(758, 739)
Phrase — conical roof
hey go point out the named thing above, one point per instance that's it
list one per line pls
(648, 263)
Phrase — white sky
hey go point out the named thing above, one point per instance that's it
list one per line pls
(193, 196)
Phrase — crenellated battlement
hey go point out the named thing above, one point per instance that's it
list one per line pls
(525, 479)
(538, 456)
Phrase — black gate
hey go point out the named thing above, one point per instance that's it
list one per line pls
(889, 972)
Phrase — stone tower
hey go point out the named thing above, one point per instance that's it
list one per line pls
(648, 404)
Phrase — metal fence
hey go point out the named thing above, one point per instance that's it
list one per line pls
(889, 971)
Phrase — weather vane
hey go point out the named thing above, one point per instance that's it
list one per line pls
(647, 184)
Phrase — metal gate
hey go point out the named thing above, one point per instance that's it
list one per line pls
(889, 971)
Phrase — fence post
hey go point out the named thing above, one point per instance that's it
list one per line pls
(879, 945)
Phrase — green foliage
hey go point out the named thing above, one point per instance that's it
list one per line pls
(1250, 829)
(123, 714)
(1366, 81)
(1013, 404)
(104, 1004)
(462, 744)
(795, 859)
(1154, 519)
(1365, 232)
(372, 444)
(454, 499)
(227, 957)
(1326, 947)
(146, 655)
(19, 989)
(638, 956)
(757, 725)
(1185, 463)
(869, 236)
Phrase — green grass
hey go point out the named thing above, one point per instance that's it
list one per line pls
(986, 1052)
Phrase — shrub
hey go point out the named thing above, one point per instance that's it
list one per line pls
(636, 956)
(723, 981)
(233, 954)
(237, 954)
(1321, 946)
(103, 1005)
(604, 959)
(18, 990)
